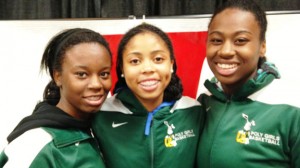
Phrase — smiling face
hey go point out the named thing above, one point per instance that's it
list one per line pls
(234, 48)
(147, 68)
(85, 79)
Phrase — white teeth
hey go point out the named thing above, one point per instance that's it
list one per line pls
(148, 83)
(92, 98)
(227, 66)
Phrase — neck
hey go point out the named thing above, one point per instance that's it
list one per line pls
(150, 105)
(72, 111)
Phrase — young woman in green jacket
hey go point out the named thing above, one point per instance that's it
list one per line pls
(147, 122)
(58, 133)
(241, 131)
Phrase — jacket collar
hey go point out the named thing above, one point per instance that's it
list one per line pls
(131, 102)
(265, 75)
(46, 115)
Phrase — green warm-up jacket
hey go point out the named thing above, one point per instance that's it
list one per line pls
(68, 143)
(129, 136)
(243, 132)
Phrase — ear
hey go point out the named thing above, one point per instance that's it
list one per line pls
(57, 78)
(172, 64)
(263, 49)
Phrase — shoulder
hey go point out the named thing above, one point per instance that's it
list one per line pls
(276, 93)
(112, 104)
(23, 150)
(186, 102)
(65, 137)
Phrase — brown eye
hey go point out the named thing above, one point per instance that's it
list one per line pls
(158, 59)
(215, 41)
(104, 75)
(81, 74)
(134, 61)
(241, 41)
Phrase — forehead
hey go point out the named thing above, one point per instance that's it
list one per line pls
(144, 40)
(232, 19)
(146, 35)
(87, 53)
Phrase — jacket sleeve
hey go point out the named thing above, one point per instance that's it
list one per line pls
(295, 153)
(23, 150)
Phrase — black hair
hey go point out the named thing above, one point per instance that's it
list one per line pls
(54, 53)
(174, 89)
(249, 6)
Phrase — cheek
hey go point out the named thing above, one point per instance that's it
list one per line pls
(107, 85)
(76, 86)
(210, 51)
(131, 72)
(166, 72)
(70, 90)
(251, 55)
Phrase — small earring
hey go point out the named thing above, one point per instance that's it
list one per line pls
(122, 75)
(171, 71)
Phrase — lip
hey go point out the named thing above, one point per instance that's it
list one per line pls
(226, 69)
(94, 100)
(149, 84)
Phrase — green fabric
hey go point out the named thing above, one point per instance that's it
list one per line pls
(240, 132)
(128, 146)
(69, 148)
(3, 159)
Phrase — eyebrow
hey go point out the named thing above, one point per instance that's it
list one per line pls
(87, 67)
(243, 31)
(236, 33)
(134, 53)
(80, 66)
(152, 52)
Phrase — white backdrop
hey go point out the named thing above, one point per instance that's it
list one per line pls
(22, 44)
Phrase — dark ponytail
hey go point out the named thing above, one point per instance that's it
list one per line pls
(51, 93)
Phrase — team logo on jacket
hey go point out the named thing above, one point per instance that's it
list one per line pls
(246, 135)
(172, 138)
(243, 135)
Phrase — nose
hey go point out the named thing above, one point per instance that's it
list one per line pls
(227, 49)
(147, 66)
(95, 82)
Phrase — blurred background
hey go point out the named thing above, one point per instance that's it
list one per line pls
(63, 9)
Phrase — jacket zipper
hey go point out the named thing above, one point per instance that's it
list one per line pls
(216, 131)
(95, 141)
(152, 145)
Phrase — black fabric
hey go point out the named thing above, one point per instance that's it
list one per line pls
(45, 115)
(278, 5)
(49, 9)
(62, 9)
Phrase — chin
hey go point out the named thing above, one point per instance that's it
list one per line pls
(226, 80)
(92, 110)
